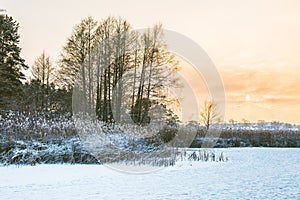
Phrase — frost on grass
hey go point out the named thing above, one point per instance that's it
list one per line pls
(125, 143)
(44, 138)
(129, 144)
(34, 152)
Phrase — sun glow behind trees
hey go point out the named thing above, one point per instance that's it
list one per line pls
(250, 40)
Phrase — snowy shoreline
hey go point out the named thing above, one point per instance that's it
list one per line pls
(250, 173)
(49, 138)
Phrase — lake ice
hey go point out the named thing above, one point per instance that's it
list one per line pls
(250, 173)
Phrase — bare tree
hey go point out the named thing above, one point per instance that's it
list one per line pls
(116, 65)
(76, 61)
(76, 55)
(210, 113)
(42, 73)
(158, 65)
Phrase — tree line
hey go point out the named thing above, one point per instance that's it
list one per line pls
(112, 71)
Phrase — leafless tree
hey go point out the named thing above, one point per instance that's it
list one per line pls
(42, 72)
(210, 113)
(116, 65)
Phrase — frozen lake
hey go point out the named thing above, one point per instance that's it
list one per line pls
(250, 173)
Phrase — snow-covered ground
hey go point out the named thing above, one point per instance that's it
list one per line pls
(250, 173)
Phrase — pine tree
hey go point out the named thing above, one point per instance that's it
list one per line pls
(11, 63)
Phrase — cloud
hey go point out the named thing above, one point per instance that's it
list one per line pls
(274, 91)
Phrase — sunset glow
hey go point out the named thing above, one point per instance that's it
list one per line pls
(248, 97)
(255, 45)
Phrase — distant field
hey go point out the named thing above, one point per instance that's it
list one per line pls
(271, 134)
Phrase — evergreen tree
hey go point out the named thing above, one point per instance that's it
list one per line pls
(11, 63)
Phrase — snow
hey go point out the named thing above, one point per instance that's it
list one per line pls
(271, 126)
(250, 173)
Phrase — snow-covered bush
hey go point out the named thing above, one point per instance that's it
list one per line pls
(35, 126)
(55, 151)
(30, 138)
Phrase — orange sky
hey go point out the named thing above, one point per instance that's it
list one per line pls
(254, 44)
(272, 95)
